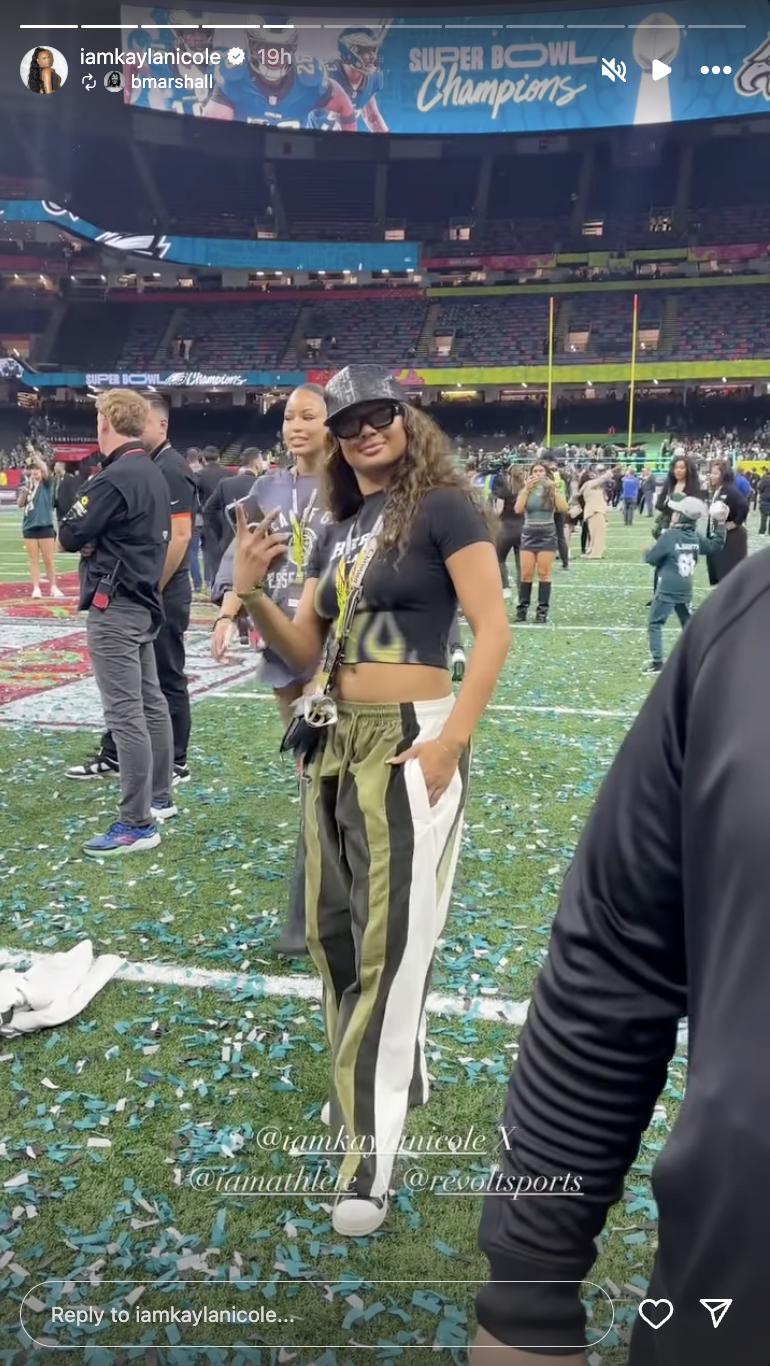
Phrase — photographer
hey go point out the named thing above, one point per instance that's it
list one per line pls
(122, 527)
(36, 501)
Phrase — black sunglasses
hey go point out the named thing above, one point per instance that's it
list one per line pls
(351, 424)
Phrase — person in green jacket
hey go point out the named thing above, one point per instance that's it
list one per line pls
(37, 526)
(674, 556)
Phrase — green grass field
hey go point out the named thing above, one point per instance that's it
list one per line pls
(105, 1119)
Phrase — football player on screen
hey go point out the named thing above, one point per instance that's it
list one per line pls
(358, 70)
(278, 87)
(181, 31)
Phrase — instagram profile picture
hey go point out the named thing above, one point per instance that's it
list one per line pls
(114, 81)
(43, 70)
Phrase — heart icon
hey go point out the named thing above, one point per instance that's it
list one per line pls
(656, 1312)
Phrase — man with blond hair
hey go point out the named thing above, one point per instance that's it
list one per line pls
(121, 525)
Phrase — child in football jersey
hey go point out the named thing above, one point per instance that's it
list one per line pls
(674, 557)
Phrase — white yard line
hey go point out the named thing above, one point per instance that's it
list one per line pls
(290, 988)
(221, 695)
(491, 1008)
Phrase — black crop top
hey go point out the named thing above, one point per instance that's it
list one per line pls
(406, 608)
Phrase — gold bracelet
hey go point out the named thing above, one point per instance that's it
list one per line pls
(449, 749)
(256, 592)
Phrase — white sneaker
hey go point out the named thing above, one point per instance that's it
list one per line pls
(56, 592)
(355, 1217)
(164, 813)
(36, 592)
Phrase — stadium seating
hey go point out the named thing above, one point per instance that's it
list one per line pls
(723, 324)
(533, 186)
(608, 318)
(503, 330)
(421, 193)
(728, 322)
(141, 347)
(386, 328)
(327, 201)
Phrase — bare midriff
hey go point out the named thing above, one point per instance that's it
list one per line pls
(393, 683)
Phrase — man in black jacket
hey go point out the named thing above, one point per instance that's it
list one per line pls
(176, 595)
(122, 525)
(229, 491)
(65, 490)
(663, 914)
(209, 477)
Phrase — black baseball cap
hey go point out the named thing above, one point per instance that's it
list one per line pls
(360, 384)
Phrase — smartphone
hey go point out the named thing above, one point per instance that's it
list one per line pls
(251, 507)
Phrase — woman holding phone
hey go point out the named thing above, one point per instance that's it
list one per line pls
(37, 528)
(386, 745)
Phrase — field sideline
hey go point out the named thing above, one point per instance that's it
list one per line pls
(169, 1072)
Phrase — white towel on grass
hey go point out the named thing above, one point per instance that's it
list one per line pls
(54, 990)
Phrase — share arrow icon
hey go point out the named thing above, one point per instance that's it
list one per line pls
(717, 1309)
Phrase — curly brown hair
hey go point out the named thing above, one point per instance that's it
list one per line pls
(426, 464)
(549, 488)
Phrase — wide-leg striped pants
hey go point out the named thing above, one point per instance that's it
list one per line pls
(380, 862)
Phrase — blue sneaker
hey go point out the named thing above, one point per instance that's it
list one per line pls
(122, 839)
(163, 811)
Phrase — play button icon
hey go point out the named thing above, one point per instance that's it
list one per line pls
(659, 70)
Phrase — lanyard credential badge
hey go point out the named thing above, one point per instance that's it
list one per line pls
(318, 712)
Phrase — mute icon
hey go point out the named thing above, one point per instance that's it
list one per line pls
(612, 69)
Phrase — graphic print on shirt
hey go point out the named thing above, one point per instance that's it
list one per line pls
(685, 563)
(375, 637)
(300, 517)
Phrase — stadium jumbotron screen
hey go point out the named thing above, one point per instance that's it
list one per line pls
(543, 73)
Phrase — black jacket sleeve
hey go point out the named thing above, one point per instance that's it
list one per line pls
(737, 503)
(600, 1032)
(214, 512)
(88, 518)
(661, 504)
